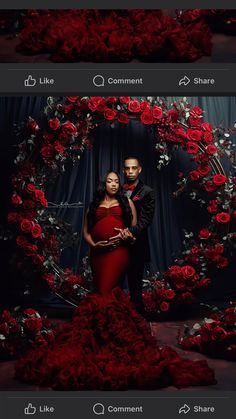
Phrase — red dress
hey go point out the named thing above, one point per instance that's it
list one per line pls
(108, 264)
(107, 345)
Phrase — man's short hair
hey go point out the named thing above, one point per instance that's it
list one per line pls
(132, 158)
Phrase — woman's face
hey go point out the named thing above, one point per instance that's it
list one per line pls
(112, 183)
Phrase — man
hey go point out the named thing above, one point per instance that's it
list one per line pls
(144, 201)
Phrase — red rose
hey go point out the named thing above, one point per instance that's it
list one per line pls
(211, 149)
(218, 333)
(169, 294)
(209, 186)
(67, 108)
(188, 271)
(111, 99)
(33, 324)
(207, 137)
(230, 310)
(144, 106)
(164, 306)
(192, 147)
(212, 206)
(30, 249)
(173, 114)
(69, 129)
(207, 126)
(16, 199)
(94, 102)
(59, 147)
(219, 248)
(36, 231)
(194, 134)
(26, 225)
(54, 124)
(123, 118)
(39, 195)
(124, 99)
(134, 106)
(222, 217)
(157, 112)
(47, 151)
(196, 110)
(28, 204)
(146, 118)
(204, 234)
(30, 188)
(194, 175)
(110, 114)
(72, 98)
(203, 169)
(219, 179)
(195, 250)
(175, 271)
(194, 121)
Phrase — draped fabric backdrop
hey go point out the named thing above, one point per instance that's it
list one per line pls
(111, 143)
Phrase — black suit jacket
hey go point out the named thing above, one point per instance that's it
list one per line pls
(144, 200)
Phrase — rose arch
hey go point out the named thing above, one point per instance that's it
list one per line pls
(65, 134)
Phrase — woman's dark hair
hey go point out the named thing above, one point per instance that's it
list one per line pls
(99, 196)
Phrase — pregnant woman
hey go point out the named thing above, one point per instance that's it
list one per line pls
(107, 345)
(110, 209)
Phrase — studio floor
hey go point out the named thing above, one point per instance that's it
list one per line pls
(165, 333)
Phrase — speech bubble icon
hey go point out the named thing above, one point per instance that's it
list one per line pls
(98, 409)
(98, 80)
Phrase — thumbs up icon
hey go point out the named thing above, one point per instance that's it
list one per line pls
(30, 81)
(30, 409)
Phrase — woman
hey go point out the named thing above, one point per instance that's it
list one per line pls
(107, 345)
(109, 209)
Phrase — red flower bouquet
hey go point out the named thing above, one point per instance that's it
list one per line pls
(215, 335)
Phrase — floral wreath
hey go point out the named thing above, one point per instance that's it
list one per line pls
(65, 134)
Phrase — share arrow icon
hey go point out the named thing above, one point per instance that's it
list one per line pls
(184, 409)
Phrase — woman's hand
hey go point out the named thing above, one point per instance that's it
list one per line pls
(102, 243)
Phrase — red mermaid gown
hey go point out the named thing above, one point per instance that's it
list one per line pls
(107, 345)
(108, 265)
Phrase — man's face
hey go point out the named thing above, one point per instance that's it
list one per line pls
(132, 169)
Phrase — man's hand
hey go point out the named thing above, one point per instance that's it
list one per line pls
(124, 234)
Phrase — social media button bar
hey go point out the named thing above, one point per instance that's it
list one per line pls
(91, 405)
(161, 79)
